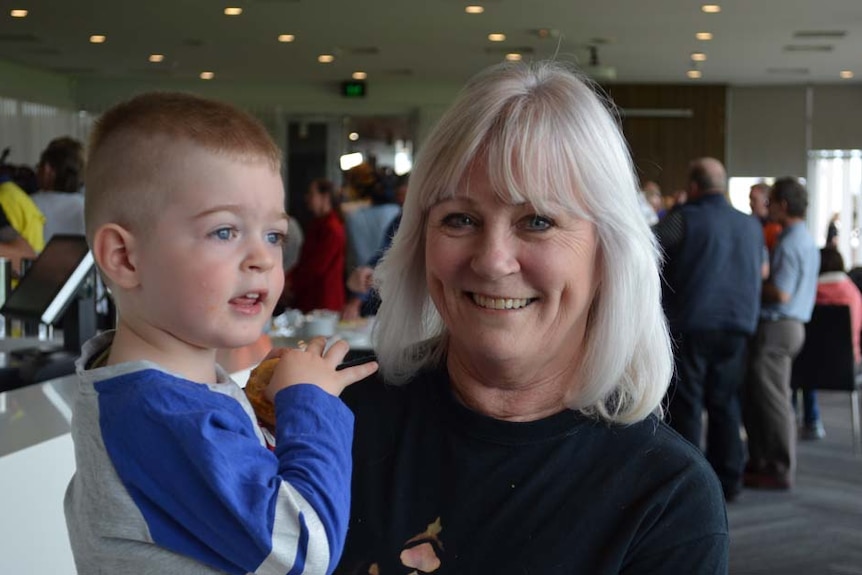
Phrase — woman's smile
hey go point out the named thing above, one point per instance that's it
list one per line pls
(498, 302)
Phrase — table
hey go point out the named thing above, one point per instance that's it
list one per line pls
(28, 360)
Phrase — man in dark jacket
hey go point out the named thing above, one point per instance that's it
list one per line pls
(715, 263)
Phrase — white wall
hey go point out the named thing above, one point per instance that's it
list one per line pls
(32, 85)
(836, 121)
(26, 128)
(766, 128)
(274, 103)
(771, 128)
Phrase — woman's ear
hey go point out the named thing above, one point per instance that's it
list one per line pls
(114, 252)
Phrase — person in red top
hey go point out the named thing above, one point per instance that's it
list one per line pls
(317, 280)
(834, 287)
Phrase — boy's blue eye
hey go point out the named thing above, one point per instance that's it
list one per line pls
(224, 233)
(276, 238)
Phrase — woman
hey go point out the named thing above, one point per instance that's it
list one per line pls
(522, 326)
(317, 280)
(834, 287)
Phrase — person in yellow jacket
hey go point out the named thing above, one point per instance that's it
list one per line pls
(23, 214)
(12, 246)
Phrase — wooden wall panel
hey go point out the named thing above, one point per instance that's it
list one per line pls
(662, 145)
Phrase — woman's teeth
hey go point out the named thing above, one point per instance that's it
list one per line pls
(499, 302)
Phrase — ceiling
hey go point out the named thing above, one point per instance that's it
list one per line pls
(645, 41)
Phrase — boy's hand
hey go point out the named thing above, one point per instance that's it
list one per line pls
(314, 366)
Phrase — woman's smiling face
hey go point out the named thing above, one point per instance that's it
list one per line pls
(510, 284)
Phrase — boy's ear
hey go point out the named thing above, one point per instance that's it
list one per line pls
(114, 252)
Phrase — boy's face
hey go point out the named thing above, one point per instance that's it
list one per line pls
(210, 268)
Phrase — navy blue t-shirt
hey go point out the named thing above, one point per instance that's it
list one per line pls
(438, 487)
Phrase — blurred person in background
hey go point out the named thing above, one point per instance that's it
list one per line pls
(834, 287)
(371, 213)
(22, 213)
(363, 300)
(317, 280)
(60, 175)
(758, 199)
(787, 300)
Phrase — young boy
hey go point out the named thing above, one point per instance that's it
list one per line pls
(185, 217)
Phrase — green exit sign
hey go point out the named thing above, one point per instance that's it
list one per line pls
(353, 89)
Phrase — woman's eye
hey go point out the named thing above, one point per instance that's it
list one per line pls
(225, 233)
(458, 221)
(276, 238)
(538, 223)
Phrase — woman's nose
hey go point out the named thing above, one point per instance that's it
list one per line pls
(495, 255)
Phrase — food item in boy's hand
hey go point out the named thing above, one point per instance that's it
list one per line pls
(257, 382)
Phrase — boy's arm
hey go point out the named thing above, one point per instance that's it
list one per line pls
(304, 436)
(208, 489)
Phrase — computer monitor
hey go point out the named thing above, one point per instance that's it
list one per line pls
(52, 282)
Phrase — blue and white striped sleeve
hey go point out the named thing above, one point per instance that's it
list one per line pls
(209, 490)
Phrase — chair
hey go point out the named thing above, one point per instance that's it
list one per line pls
(826, 361)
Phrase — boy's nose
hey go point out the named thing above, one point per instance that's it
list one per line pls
(261, 256)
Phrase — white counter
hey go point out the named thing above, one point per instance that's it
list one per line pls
(37, 461)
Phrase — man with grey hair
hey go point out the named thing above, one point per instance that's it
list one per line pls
(788, 300)
(712, 274)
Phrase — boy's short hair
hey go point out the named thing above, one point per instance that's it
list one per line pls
(132, 145)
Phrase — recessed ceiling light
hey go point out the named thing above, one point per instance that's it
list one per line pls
(98, 39)
(325, 58)
(846, 74)
(693, 74)
(156, 57)
(353, 136)
(496, 37)
(232, 11)
(513, 57)
(698, 57)
(703, 35)
(18, 13)
(474, 9)
(286, 37)
(359, 75)
(711, 8)
(207, 75)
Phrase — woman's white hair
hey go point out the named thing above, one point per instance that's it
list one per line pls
(549, 140)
